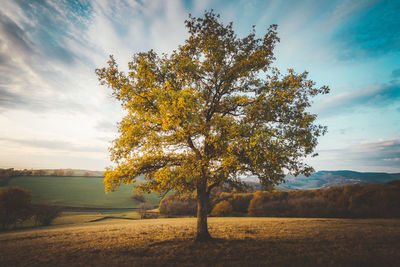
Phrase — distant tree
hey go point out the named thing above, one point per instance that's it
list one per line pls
(59, 172)
(211, 111)
(143, 208)
(44, 214)
(178, 205)
(69, 173)
(223, 208)
(15, 206)
(138, 198)
(26, 172)
(38, 172)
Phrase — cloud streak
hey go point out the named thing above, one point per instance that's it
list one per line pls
(381, 155)
(371, 33)
(58, 145)
(372, 97)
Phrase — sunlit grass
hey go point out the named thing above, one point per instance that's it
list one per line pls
(238, 242)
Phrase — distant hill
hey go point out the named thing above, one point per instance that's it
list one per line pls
(325, 179)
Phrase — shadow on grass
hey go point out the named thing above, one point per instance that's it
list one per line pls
(111, 217)
(217, 242)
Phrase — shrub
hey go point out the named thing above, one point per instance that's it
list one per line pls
(289, 204)
(45, 214)
(143, 208)
(240, 202)
(306, 207)
(223, 208)
(174, 205)
(138, 198)
(15, 206)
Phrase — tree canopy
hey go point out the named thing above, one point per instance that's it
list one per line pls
(210, 112)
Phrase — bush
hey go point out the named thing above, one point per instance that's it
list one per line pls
(174, 205)
(143, 208)
(223, 208)
(351, 201)
(306, 207)
(45, 214)
(240, 202)
(138, 198)
(15, 206)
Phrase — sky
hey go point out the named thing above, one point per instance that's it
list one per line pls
(54, 113)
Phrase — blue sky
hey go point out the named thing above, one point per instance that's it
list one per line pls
(54, 114)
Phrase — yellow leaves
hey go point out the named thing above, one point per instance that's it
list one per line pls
(208, 91)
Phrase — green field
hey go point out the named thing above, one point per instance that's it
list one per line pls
(78, 192)
(238, 242)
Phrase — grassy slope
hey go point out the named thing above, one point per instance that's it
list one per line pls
(77, 192)
(240, 242)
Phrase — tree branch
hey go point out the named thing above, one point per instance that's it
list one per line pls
(191, 145)
(210, 187)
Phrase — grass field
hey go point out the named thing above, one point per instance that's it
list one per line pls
(78, 192)
(238, 242)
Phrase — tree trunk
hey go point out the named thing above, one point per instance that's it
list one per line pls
(202, 210)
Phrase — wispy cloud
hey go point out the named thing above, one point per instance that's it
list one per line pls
(60, 145)
(372, 97)
(371, 33)
(381, 155)
(106, 126)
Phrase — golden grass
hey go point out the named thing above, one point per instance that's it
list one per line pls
(239, 242)
(84, 217)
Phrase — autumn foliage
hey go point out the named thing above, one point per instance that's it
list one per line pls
(175, 205)
(212, 110)
(223, 208)
(351, 201)
(16, 207)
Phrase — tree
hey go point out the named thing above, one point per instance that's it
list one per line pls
(138, 198)
(59, 172)
(39, 173)
(69, 173)
(143, 208)
(211, 111)
(15, 206)
(45, 214)
(223, 208)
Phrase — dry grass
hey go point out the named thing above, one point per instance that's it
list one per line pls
(239, 242)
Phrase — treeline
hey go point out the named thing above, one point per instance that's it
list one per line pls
(351, 201)
(7, 174)
(16, 208)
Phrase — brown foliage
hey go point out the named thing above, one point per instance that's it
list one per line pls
(223, 208)
(174, 205)
(239, 201)
(352, 201)
(15, 206)
(138, 198)
(143, 209)
(44, 214)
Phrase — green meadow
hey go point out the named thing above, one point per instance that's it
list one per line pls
(83, 192)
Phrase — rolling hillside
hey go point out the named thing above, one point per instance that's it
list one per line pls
(88, 192)
(325, 179)
(83, 192)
